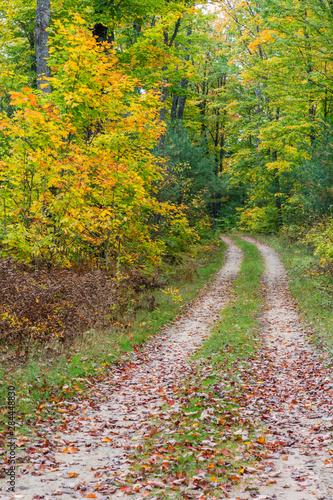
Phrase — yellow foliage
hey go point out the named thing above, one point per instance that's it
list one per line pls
(262, 38)
(78, 174)
(279, 165)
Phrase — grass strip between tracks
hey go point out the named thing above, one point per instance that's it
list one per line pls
(207, 443)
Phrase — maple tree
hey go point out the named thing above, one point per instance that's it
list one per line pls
(80, 160)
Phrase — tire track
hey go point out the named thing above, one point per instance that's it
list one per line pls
(295, 403)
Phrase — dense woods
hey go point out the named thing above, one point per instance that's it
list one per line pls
(131, 131)
(166, 249)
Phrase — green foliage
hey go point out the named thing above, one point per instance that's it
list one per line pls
(190, 177)
(275, 108)
(313, 180)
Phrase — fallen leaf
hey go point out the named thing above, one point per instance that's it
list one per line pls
(126, 489)
(152, 431)
(276, 474)
(106, 440)
(157, 484)
(70, 450)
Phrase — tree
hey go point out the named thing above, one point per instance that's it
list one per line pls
(77, 171)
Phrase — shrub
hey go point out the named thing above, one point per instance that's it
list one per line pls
(41, 305)
(321, 237)
(259, 219)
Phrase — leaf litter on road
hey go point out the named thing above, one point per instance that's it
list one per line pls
(161, 426)
(119, 407)
(291, 394)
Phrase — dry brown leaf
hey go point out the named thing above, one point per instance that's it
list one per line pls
(151, 431)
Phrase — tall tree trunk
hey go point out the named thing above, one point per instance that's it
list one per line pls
(182, 100)
(162, 116)
(164, 91)
(181, 107)
(43, 13)
(174, 107)
(222, 151)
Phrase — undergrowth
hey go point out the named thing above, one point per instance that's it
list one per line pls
(213, 444)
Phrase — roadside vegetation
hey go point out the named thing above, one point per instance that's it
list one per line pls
(213, 442)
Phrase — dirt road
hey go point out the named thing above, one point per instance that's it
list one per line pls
(87, 455)
(88, 451)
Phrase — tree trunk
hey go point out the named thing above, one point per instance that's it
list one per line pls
(182, 100)
(181, 106)
(162, 116)
(174, 107)
(43, 12)
(164, 91)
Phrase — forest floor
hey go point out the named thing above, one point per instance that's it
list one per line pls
(260, 426)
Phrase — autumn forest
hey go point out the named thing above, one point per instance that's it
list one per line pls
(130, 129)
(166, 249)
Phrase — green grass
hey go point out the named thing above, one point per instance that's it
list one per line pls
(234, 334)
(310, 285)
(222, 368)
(62, 374)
